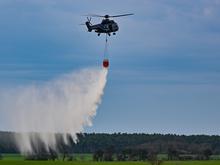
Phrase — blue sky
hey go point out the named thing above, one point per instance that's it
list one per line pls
(164, 62)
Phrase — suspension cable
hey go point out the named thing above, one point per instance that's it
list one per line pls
(106, 60)
(106, 47)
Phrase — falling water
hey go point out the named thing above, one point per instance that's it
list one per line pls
(65, 105)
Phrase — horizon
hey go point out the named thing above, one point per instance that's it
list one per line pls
(129, 133)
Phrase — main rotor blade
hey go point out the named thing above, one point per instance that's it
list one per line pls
(122, 15)
(108, 16)
(93, 15)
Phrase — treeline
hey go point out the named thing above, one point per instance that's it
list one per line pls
(89, 143)
(7, 143)
(131, 146)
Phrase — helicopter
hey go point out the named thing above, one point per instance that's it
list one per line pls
(107, 26)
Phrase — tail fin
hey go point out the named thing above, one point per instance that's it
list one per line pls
(88, 24)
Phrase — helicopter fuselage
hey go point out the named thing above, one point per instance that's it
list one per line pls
(106, 26)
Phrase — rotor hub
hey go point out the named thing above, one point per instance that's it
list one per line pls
(106, 16)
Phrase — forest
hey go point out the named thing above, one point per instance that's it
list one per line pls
(127, 146)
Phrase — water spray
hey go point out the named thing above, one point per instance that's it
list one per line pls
(65, 106)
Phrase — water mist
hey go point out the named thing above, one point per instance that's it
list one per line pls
(65, 105)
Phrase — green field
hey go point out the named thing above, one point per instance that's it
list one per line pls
(17, 162)
(86, 159)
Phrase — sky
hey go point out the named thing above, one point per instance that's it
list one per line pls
(164, 74)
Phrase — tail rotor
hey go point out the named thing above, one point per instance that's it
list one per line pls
(89, 20)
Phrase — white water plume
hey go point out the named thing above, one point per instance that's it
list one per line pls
(65, 105)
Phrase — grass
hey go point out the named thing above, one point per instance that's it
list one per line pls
(10, 162)
(86, 159)
(83, 157)
(215, 157)
(16, 157)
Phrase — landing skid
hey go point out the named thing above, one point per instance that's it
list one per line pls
(109, 34)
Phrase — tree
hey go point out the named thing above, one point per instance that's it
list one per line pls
(98, 155)
(53, 154)
(91, 142)
(127, 153)
(120, 157)
(207, 153)
(173, 154)
(153, 159)
(142, 154)
(108, 154)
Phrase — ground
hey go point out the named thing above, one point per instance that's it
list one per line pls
(12, 159)
(8, 162)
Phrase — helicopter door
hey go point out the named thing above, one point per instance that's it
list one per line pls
(110, 27)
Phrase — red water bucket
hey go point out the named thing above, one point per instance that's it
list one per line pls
(105, 63)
